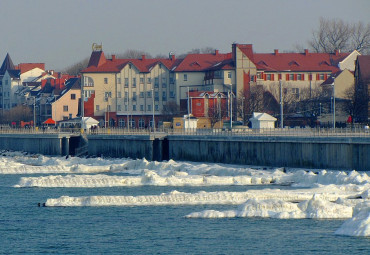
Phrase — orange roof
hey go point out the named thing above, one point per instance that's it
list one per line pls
(25, 67)
(298, 61)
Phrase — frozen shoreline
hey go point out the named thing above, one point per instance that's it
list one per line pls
(318, 194)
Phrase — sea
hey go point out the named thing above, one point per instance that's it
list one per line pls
(29, 224)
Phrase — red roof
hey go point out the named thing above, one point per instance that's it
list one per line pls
(298, 61)
(25, 67)
(98, 64)
(201, 62)
(49, 121)
(273, 62)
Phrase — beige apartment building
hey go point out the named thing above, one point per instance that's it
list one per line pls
(118, 91)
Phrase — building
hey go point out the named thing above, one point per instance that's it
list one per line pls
(121, 91)
(362, 88)
(58, 99)
(12, 78)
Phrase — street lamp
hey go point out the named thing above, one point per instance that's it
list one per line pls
(281, 106)
(153, 109)
(333, 104)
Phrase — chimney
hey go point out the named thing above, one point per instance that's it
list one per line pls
(276, 52)
(306, 52)
(216, 52)
(173, 57)
(337, 52)
(113, 57)
(142, 57)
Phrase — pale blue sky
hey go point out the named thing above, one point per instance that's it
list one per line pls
(60, 33)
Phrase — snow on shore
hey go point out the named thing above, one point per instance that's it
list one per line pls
(319, 194)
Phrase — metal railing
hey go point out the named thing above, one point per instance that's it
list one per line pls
(241, 132)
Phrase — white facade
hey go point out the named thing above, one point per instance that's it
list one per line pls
(262, 120)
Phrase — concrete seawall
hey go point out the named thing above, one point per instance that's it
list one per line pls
(47, 144)
(280, 151)
(313, 152)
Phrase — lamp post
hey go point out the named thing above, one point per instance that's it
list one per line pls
(34, 112)
(153, 109)
(243, 98)
(55, 110)
(281, 105)
(333, 104)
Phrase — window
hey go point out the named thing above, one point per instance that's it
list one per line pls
(141, 107)
(65, 108)
(156, 82)
(149, 80)
(299, 77)
(141, 95)
(148, 94)
(126, 107)
(121, 123)
(291, 77)
(119, 107)
(268, 77)
(172, 80)
(133, 96)
(108, 108)
(134, 82)
(321, 76)
(229, 75)
(97, 107)
(141, 80)
(164, 97)
(172, 94)
(132, 123)
(105, 80)
(134, 107)
(126, 82)
(88, 82)
(119, 94)
(73, 96)
(108, 94)
(156, 108)
(185, 77)
(141, 123)
(70, 115)
(149, 107)
(295, 92)
(118, 80)
(156, 96)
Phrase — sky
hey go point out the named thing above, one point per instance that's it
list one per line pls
(60, 33)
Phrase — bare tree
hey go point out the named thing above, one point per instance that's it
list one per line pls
(170, 109)
(76, 68)
(217, 112)
(16, 114)
(133, 54)
(335, 34)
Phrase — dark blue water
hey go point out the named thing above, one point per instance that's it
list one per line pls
(26, 228)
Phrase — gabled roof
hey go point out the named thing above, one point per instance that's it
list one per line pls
(211, 94)
(298, 61)
(332, 77)
(262, 116)
(201, 62)
(25, 67)
(116, 65)
(7, 64)
(14, 74)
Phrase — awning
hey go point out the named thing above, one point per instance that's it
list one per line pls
(49, 121)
